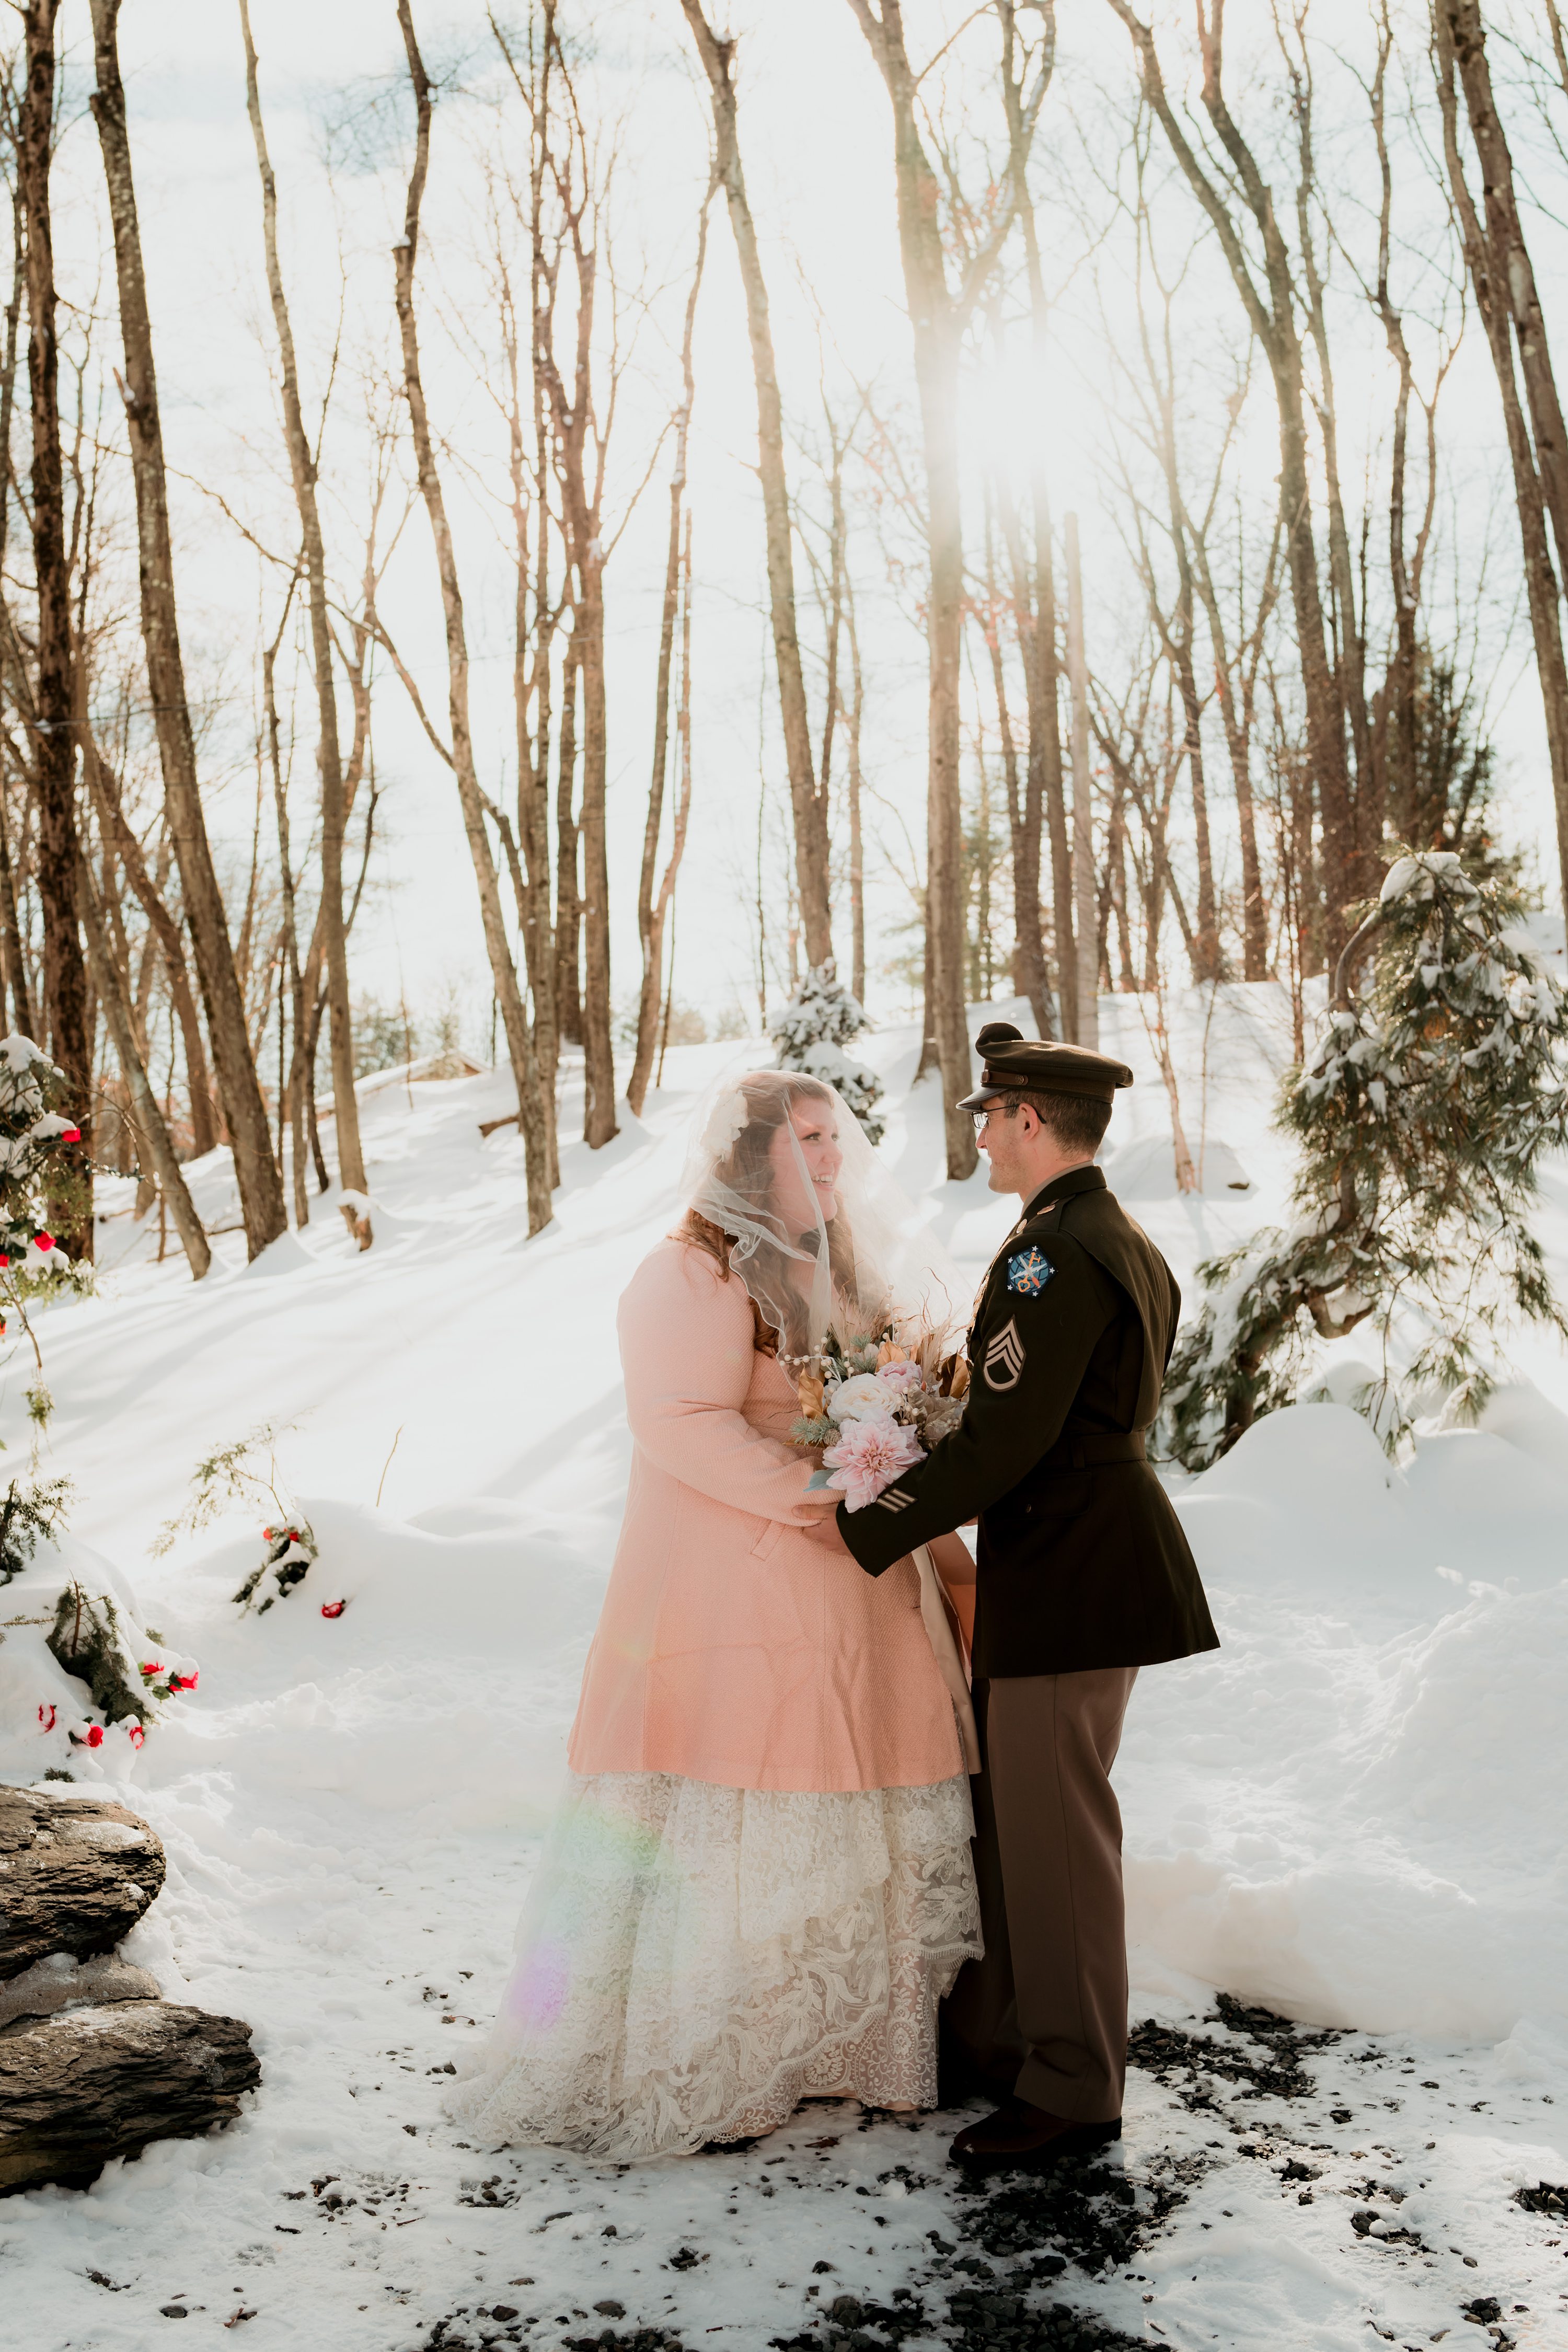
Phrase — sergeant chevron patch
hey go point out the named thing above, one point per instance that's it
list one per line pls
(1005, 1358)
(1029, 1272)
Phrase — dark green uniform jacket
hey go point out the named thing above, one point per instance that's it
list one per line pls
(1082, 1561)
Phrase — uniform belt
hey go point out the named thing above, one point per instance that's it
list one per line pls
(1092, 1453)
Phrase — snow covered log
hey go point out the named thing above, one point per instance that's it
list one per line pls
(76, 1873)
(91, 2084)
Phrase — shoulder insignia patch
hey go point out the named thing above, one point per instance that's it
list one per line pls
(1003, 1357)
(1028, 1273)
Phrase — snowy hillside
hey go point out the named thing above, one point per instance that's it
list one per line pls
(1351, 1815)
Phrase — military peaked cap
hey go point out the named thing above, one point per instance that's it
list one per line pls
(1010, 1060)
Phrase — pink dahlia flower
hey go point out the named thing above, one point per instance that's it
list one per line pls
(869, 1456)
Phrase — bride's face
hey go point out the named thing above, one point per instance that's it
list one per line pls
(806, 1160)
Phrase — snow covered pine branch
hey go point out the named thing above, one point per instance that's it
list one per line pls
(1420, 1117)
(811, 1034)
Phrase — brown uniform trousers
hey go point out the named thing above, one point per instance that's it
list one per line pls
(1044, 2014)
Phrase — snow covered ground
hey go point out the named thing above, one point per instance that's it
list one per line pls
(1351, 1816)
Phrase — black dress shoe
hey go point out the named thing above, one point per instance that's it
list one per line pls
(1021, 2136)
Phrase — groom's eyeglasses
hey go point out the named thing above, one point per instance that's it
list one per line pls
(982, 1118)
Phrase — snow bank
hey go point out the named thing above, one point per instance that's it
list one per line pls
(1352, 1813)
(442, 1687)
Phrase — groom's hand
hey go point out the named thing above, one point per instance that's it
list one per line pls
(826, 1534)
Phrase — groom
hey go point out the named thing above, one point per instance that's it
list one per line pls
(1083, 1576)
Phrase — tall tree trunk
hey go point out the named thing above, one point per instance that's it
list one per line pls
(1396, 722)
(598, 1053)
(147, 1118)
(809, 805)
(937, 320)
(1086, 912)
(294, 979)
(16, 954)
(650, 923)
(509, 996)
(1490, 274)
(117, 832)
(531, 659)
(59, 852)
(1045, 804)
(1515, 279)
(1049, 660)
(568, 889)
(1206, 968)
(244, 1112)
(854, 720)
(1025, 808)
(1272, 314)
(10, 925)
(302, 468)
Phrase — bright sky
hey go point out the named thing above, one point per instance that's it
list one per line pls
(816, 144)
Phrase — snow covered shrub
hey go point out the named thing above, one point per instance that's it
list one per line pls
(27, 1512)
(291, 1551)
(32, 1131)
(224, 1478)
(37, 1180)
(1420, 1117)
(92, 1640)
(811, 1034)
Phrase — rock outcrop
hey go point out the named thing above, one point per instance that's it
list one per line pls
(99, 2082)
(93, 2062)
(76, 1873)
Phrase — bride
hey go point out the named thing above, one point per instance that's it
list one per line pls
(758, 1886)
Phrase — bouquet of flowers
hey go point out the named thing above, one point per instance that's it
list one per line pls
(869, 1401)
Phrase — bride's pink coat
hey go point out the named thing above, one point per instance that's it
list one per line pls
(731, 1648)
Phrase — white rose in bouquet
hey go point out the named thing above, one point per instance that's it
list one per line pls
(854, 1398)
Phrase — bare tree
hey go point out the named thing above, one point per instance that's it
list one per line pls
(939, 314)
(302, 469)
(809, 803)
(509, 996)
(1268, 295)
(1498, 265)
(652, 906)
(1086, 926)
(65, 991)
(1043, 805)
(245, 1113)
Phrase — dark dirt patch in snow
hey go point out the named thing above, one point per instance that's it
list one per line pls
(983, 2316)
(1015, 2233)
(1262, 2052)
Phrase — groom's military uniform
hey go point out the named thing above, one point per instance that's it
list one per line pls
(1084, 1575)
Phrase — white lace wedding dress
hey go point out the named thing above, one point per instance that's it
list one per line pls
(694, 1960)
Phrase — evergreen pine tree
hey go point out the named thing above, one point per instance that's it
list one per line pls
(811, 1033)
(1421, 1119)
